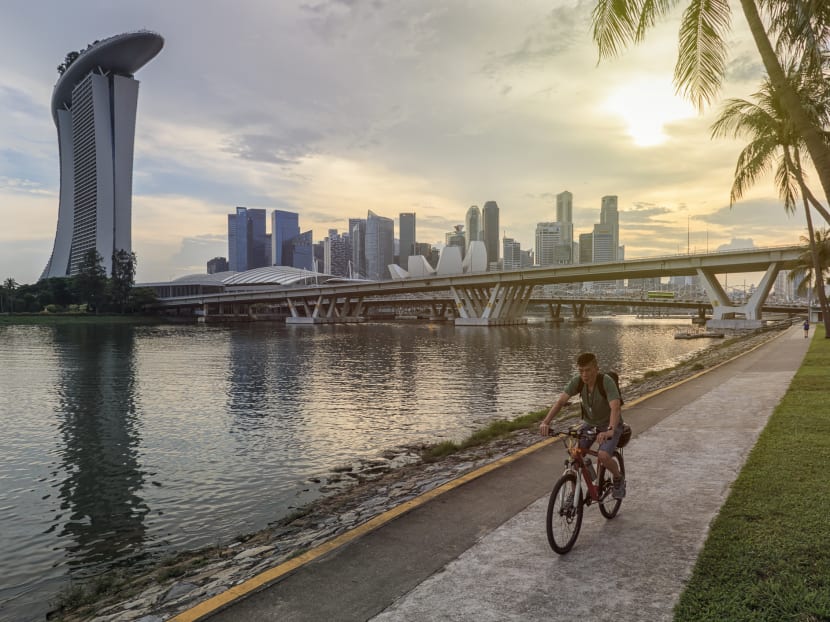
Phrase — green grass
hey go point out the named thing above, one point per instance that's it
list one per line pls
(497, 429)
(767, 556)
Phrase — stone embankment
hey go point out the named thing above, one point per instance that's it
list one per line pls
(357, 493)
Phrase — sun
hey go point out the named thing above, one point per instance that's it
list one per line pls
(647, 106)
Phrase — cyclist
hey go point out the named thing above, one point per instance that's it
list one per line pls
(604, 413)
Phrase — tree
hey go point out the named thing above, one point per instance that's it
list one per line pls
(9, 285)
(805, 273)
(800, 26)
(774, 138)
(91, 279)
(123, 277)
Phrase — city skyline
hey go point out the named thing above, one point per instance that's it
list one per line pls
(335, 108)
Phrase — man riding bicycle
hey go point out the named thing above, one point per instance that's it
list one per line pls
(604, 413)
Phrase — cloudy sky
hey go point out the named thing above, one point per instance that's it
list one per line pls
(333, 107)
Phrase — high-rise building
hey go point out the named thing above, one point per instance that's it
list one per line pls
(554, 243)
(247, 239)
(609, 215)
(512, 254)
(604, 248)
(217, 264)
(565, 207)
(94, 106)
(357, 232)
(457, 238)
(300, 252)
(285, 226)
(380, 246)
(337, 254)
(407, 239)
(490, 218)
(473, 224)
(586, 248)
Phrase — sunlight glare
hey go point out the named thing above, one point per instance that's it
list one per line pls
(646, 106)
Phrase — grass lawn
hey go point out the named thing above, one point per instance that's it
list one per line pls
(767, 556)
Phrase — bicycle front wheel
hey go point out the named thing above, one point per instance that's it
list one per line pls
(564, 517)
(608, 505)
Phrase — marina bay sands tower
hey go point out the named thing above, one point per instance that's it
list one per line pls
(94, 106)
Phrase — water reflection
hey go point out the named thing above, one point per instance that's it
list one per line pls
(101, 510)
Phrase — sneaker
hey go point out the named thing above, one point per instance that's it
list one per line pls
(619, 489)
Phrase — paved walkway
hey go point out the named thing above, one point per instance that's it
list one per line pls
(690, 443)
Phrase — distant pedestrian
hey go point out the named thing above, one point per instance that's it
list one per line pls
(806, 327)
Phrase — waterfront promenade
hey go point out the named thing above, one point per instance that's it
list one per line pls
(479, 552)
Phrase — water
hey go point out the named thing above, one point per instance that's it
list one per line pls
(122, 444)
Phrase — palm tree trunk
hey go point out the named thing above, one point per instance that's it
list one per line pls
(818, 149)
(817, 268)
(816, 204)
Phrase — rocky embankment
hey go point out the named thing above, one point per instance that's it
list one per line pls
(356, 494)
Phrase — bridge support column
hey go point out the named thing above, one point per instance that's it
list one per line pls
(499, 305)
(555, 313)
(580, 313)
(725, 314)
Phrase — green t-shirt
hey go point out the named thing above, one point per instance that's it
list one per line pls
(596, 410)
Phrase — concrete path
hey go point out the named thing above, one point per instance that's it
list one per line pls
(633, 567)
(479, 551)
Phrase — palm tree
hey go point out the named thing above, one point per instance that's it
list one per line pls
(800, 26)
(805, 273)
(773, 138)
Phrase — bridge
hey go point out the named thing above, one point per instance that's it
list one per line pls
(497, 298)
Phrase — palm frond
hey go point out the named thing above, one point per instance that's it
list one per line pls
(702, 53)
(614, 24)
(754, 160)
(650, 12)
(786, 180)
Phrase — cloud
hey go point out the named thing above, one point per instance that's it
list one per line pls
(283, 150)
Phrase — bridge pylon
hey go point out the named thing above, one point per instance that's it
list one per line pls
(499, 305)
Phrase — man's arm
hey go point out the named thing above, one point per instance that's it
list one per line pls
(616, 418)
(544, 426)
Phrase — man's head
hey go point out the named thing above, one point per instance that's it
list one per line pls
(588, 367)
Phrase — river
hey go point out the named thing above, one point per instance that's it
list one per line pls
(121, 444)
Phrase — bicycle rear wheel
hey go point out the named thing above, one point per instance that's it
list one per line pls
(607, 504)
(564, 518)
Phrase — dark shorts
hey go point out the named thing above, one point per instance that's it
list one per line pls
(609, 445)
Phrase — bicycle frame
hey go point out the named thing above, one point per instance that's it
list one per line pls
(576, 464)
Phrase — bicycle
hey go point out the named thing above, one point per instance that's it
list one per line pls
(568, 498)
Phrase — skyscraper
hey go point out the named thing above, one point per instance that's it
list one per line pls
(285, 226)
(473, 223)
(565, 207)
(609, 215)
(407, 239)
(246, 239)
(94, 106)
(380, 246)
(554, 243)
(357, 232)
(512, 254)
(586, 248)
(490, 216)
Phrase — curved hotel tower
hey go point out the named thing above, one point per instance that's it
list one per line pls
(94, 108)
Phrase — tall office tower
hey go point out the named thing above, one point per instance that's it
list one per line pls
(246, 239)
(380, 246)
(565, 207)
(609, 215)
(457, 238)
(337, 254)
(407, 239)
(357, 231)
(299, 251)
(217, 264)
(603, 242)
(586, 248)
(94, 106)
(512, 254)
(527, 259)
(490, 218)
(554, 243)
(473, 223)
(285, 226)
